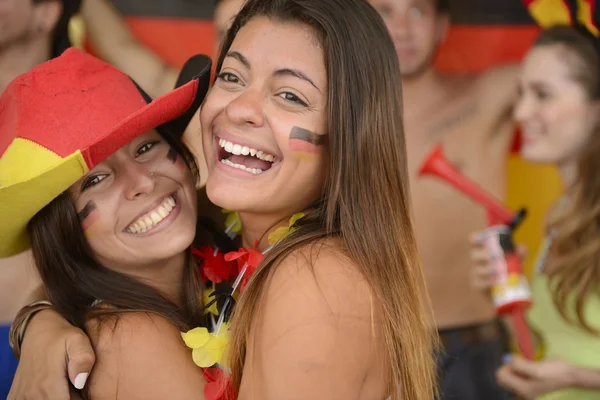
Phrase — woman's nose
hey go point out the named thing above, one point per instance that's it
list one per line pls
(246, 109)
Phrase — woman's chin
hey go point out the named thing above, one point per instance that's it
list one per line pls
(536, 156)
(226, 196)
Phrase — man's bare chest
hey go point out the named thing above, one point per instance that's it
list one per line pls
(465, 133)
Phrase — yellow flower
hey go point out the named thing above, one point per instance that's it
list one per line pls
(208, 349)
(284, 231)
(233, 223)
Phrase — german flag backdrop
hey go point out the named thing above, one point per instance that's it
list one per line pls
(484, 33)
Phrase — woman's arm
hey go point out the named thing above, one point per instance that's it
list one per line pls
(586, 378)
(53, 352)
(142, 356)
(317, 333)
(531, 379)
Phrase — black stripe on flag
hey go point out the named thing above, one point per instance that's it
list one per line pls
(185, 9)
(490, 12)
(480, 12)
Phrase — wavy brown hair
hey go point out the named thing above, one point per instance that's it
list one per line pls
(574, 267)
(365, 199)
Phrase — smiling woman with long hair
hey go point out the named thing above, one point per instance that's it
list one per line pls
(558, 112)
(303, 131)
(106, 199)
(296, 84)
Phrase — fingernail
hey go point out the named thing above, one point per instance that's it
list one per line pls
(507, 358)
(80, 380)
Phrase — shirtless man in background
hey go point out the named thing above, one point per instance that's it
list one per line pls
(470, 115)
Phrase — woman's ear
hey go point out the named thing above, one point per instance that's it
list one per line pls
(45, 17)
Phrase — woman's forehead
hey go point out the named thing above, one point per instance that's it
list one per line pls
(290, 41)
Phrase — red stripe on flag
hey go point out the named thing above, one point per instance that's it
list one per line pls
(593, 12)
(517, 142)
(473, 48)
(178, 38)
(173, 39)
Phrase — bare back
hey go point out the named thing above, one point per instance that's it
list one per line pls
(471, 118)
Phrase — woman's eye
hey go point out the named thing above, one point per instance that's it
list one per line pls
(292, 98)
(416, 13)
(146, 147)
(542, 95)
(228, 77)
(92, 181)
(385, 11)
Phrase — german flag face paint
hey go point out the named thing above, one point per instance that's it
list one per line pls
(306, 144)
(175, 158)
(172, 155)
(89, 218)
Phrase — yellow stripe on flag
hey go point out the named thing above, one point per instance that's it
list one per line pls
(550, 12)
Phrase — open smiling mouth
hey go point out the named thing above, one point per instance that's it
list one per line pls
(152, 218)
(245, 158)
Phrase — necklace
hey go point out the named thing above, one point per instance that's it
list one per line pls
(217, 270)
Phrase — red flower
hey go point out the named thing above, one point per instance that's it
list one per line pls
(251, 258)
(214, 266)
(217, 385)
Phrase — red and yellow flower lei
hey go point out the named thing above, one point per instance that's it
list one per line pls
(217, 269)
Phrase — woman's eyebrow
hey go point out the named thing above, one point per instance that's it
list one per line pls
(238, 56)
(280, 72)
(295, 73)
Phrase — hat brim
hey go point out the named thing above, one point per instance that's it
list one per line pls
(21, 201)
(197, 67)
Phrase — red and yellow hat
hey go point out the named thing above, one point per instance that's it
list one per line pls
(64, 117)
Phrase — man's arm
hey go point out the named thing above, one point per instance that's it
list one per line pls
(112, 39)
(498, 94)
(143, 357)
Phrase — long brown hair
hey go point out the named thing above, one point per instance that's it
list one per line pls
(574, 258)
(74, 280)
(365, 198)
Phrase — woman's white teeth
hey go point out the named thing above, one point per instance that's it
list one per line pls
(152, 218)
(238, 149)
(254, 171)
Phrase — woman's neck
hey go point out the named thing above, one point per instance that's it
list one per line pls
(165, 276)
(568, 175)
(258, 226)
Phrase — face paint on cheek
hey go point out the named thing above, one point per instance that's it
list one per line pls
(306, 144)
(88, 218)
(174, 158)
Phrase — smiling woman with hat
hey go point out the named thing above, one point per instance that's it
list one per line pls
(95, 181)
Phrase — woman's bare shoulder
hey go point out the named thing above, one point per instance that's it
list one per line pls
(316, 333)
